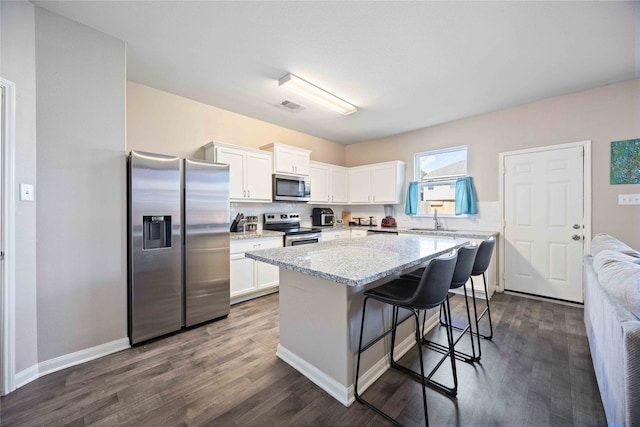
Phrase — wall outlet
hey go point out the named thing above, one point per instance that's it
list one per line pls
(26, 192)
(629, 199)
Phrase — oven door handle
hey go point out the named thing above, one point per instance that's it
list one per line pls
(309, 236)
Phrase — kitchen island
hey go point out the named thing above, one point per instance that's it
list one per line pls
(321, 296)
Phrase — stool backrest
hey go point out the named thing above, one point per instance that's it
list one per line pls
(435, 282)
(464, 265)
(483, 257)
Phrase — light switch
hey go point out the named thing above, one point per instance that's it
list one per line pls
(26, 192)
(629, 199)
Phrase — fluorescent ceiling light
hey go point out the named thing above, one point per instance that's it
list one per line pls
(313, 92)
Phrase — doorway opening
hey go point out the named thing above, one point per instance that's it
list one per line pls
(7, 237)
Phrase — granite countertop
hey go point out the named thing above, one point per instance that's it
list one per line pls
(356, 262)
(468, 234)
(259, 234)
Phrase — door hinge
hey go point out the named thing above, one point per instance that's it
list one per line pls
(1, 255)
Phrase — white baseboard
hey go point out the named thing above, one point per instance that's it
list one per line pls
(319, 378)
(342, 394)
(66, 361)
(81, 356)
(26, 376)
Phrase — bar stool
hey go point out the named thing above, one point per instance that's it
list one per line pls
(461, 274)
(413, 295)
(483, 258)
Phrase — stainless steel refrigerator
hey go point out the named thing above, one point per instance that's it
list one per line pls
(178, 220)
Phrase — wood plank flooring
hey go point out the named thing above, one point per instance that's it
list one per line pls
(537, 371)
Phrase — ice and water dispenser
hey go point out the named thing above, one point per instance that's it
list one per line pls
(156, 232)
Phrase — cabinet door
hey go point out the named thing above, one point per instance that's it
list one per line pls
(267, 275)
(242, 280)
(258, 176)
(335, 235)
(358, 233)
(235, 159)
(383, 184)
(284, 160)
(291, 161)
(301, 163)
(319, 179)
(339, 185)
(360, 185)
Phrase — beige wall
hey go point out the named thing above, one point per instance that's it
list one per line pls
(164, 123)
(602, 115)
(81, 217)
(18, 58)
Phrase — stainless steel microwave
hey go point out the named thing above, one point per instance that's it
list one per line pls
(291, 188)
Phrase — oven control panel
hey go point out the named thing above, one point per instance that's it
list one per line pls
(281, 217)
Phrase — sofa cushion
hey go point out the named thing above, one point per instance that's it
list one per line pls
(619, 275)
(604, 241)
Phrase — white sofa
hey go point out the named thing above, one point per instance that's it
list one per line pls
(612, 319)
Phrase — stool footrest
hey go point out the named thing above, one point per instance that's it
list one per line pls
(443, 349)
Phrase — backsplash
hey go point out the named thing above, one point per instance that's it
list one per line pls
(487, 219)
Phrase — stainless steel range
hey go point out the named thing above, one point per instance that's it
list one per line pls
(289, 224)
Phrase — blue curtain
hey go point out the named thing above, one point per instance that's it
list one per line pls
(466, 196)
(411, 206)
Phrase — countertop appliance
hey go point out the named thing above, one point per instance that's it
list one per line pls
(289, 224)
(178, 243)
(322, 216)
(291, 188)
(388, 220)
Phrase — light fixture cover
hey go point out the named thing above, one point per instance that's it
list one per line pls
(313, 92)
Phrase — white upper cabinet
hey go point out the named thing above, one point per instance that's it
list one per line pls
(360, 185)
(249, 171)
(289, 160)
(339, 185)
(328, 183)
(380, 183)
(319, 180)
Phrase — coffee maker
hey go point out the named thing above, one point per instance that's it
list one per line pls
(388, 220)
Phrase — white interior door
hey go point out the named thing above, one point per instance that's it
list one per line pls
(543, 222)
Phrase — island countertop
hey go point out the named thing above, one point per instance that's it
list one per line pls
(356, 262)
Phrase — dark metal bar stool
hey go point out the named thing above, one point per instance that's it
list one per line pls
(461, 274)
(483, 258)
(412, 295)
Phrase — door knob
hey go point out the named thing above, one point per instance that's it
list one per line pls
(576, 237)
(576, 226)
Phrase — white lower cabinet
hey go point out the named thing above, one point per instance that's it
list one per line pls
(358, 233)
(328, 235)
(250, 278)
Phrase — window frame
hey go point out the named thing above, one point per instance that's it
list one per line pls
(449, 179)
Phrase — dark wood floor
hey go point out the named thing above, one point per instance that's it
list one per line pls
(536, 372)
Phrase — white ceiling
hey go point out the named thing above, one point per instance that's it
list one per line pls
(406, 65)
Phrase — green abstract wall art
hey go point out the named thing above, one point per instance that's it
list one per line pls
(625, 162)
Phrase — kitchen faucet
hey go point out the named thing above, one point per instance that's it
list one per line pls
(438, 226)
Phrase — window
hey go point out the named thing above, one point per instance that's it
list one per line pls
(436, 173)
